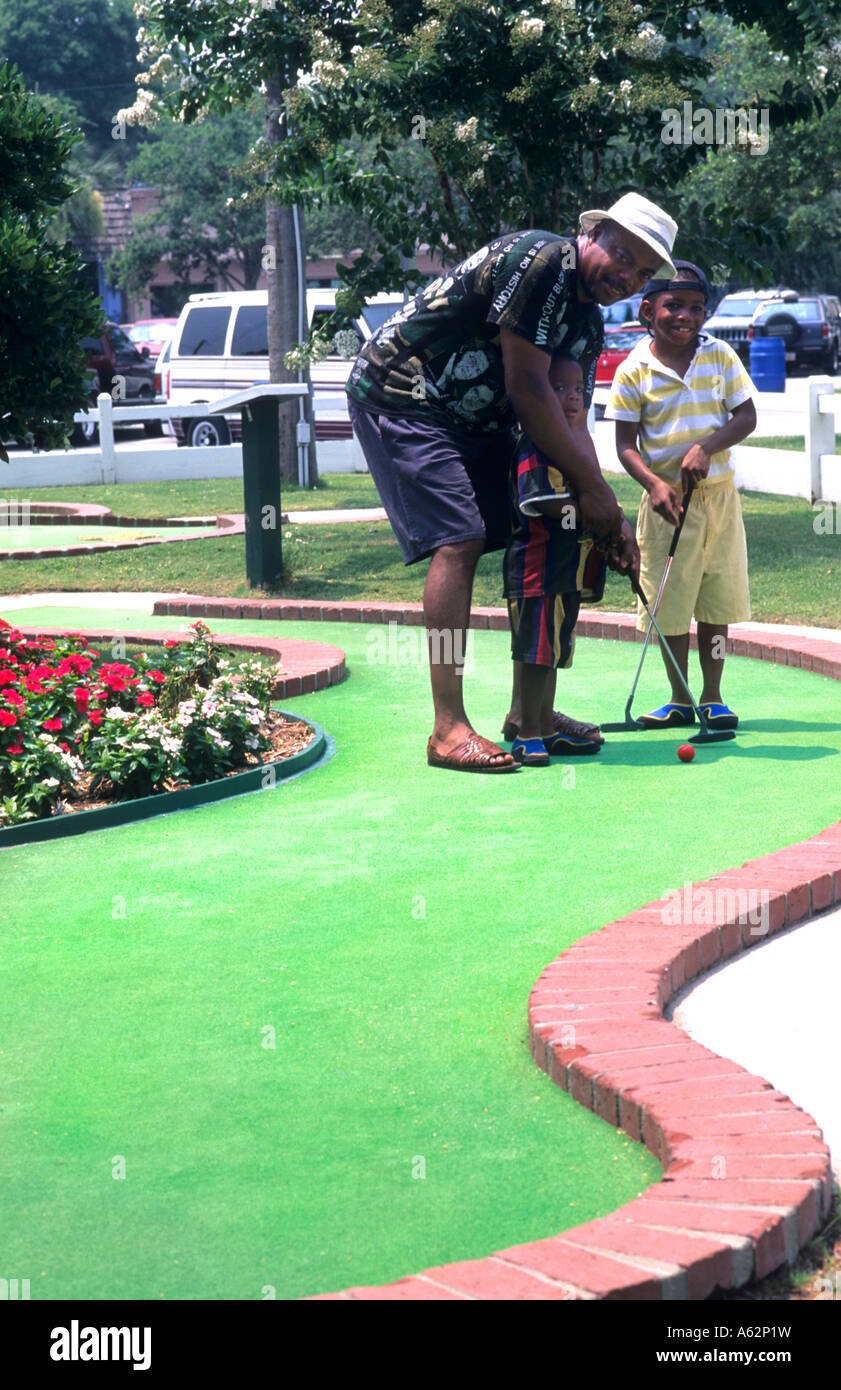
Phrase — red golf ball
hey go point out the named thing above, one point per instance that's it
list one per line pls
(686, 752)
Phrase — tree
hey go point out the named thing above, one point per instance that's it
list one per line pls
(44, 306)
(216, 55)
(84, 53)
(792, 184)
(525, 113)
(209, 214)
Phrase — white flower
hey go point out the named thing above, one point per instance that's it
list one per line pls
(626, 86)
(648, 43)
(467, 130)
(50, 782)
(529, 28)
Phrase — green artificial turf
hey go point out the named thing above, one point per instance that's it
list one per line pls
(296, 1021)
(48, 537)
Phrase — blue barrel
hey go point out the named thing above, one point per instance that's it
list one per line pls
(768, 364)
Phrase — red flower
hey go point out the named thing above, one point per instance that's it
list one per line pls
(95, 717)
(12, 697)
(173, 642)
(156, 676)
(7, 719)
(7, 675)
(81, 696)
(81, 664)
(34, 685)
(14, 748)
(145, 698)
(115, 683)
(65, 748)
(52, 724)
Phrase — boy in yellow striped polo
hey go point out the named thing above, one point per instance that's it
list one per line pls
(680, 402)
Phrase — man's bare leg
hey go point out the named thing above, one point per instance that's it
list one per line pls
(446, 609)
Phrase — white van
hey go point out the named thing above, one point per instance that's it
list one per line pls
(220, 345)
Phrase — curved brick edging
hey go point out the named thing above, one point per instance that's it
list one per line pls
(71, 513)
(747, 1177)
(300, 668)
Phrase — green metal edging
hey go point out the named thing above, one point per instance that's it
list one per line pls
(144, 807)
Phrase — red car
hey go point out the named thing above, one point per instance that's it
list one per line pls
(150, 333)
(618, 342)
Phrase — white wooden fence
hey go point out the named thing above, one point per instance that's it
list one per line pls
(814, 474)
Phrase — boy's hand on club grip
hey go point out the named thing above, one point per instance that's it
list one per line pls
(695, 466)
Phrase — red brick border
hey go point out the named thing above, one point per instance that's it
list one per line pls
(300, 668)
(70, 513)
(747, 1177)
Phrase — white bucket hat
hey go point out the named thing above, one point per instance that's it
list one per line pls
(642, 219)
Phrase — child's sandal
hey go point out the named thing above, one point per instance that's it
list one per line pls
(530, 752)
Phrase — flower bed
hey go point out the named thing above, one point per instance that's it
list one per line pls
(77, 730)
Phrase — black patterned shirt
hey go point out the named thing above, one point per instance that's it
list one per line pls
(439, 356)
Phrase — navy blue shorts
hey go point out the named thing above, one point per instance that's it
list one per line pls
(438, 485)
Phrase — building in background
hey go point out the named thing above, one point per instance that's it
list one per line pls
(163, 297)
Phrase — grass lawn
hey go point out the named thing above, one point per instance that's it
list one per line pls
(793, 570)
(203, 496)
(796, 442)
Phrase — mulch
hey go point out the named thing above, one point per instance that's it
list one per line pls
(287, 737)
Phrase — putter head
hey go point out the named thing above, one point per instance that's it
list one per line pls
(713, 736)
(619, 728)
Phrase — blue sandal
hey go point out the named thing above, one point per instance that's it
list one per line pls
(530, 752)
(719, 716)
(669, 716)
(563, 746)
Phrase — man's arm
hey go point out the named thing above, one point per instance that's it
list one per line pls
(541, 415)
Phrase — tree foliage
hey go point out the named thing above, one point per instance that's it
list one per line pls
(44, 307)
(210, 213)
(83, 53)
(477, 116)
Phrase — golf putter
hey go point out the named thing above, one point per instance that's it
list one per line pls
(706, 735)
(628, 723)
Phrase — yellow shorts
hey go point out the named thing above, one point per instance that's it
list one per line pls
(708, 579)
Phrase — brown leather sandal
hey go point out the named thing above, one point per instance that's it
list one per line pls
(562, 724)
(474, 755)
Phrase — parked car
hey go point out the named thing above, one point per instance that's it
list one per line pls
(116, 365)
(623, 311)
(220, 346)
(150, 333)
(734, 316)
(810, 327)
(161, 383)
(618, 342)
